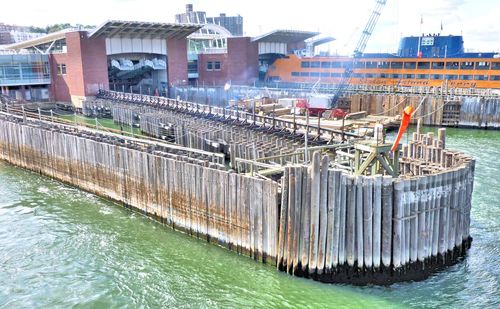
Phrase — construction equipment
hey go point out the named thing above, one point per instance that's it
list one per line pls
(358, 52)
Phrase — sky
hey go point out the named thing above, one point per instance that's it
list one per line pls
(477, 20)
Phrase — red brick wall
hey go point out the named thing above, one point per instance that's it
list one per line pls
(212, 78)
(86, 67)
(95, 65)
(177, 62)
(243, 60)
(59, 87)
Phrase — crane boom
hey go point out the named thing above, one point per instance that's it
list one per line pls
(358, 51)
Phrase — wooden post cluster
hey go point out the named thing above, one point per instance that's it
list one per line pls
(360, 227)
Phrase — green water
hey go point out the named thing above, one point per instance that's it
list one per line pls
(61, 247)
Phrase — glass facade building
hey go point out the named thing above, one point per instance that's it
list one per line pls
(29, 69)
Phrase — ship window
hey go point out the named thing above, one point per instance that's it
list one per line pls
(314, 64)
(383, 64)
(295, 74)
(437, 65)
(423, 65)
(371, 64)
(451, 77)
(495, 66)
(495, 77)
(397, 75)
(466, 77)
(480, 77)
(436, 76)
(314, 74)
(410, 65)
(305, 64)
(359, 65)
(338, 74)
(422, 76)
(482, 65)
(217, 66)
(409, 76)
(325, 74)
(304, 73)
(467, 65)
(369, 75)
(336, 64)
(383, 75)
(452, 65)
(326, 65)
(396, 65)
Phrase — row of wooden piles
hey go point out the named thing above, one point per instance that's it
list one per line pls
(234, 210)
(480, 112)
(335, 225)
(431, 110)
(212, 135)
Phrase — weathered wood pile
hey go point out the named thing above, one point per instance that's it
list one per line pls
(234, 210)
(337, 227)
(482, 113)
(217, 136)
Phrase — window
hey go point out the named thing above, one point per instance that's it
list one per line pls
(326, 65)
(305, 64)
(336, 65)
(466, 77)
(422, 76)
(358, 75)
(369, 75)
(409, 76)
(383, 65)
(325, 74)
(495, 77)
(423, 65)
(336, 74)
(410, 65)
(396, 65)
(383, 75)
(217, 66)
(371, 64)
(314, 74)
(495, 66)
(452, 65)
(314, 64)
(61, 69)
(304, 74)
(437, 65)
(397, 76)
(482, 65)
(450, 77)
(295, 74)
(436, 76)
(467, 65)
(480, 77)
(210, 66)
(359, 65)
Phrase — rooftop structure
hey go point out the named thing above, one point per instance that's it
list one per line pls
(234, 24)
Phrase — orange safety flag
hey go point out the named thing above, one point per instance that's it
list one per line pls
(407, 112)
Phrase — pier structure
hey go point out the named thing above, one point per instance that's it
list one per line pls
(299, 198)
